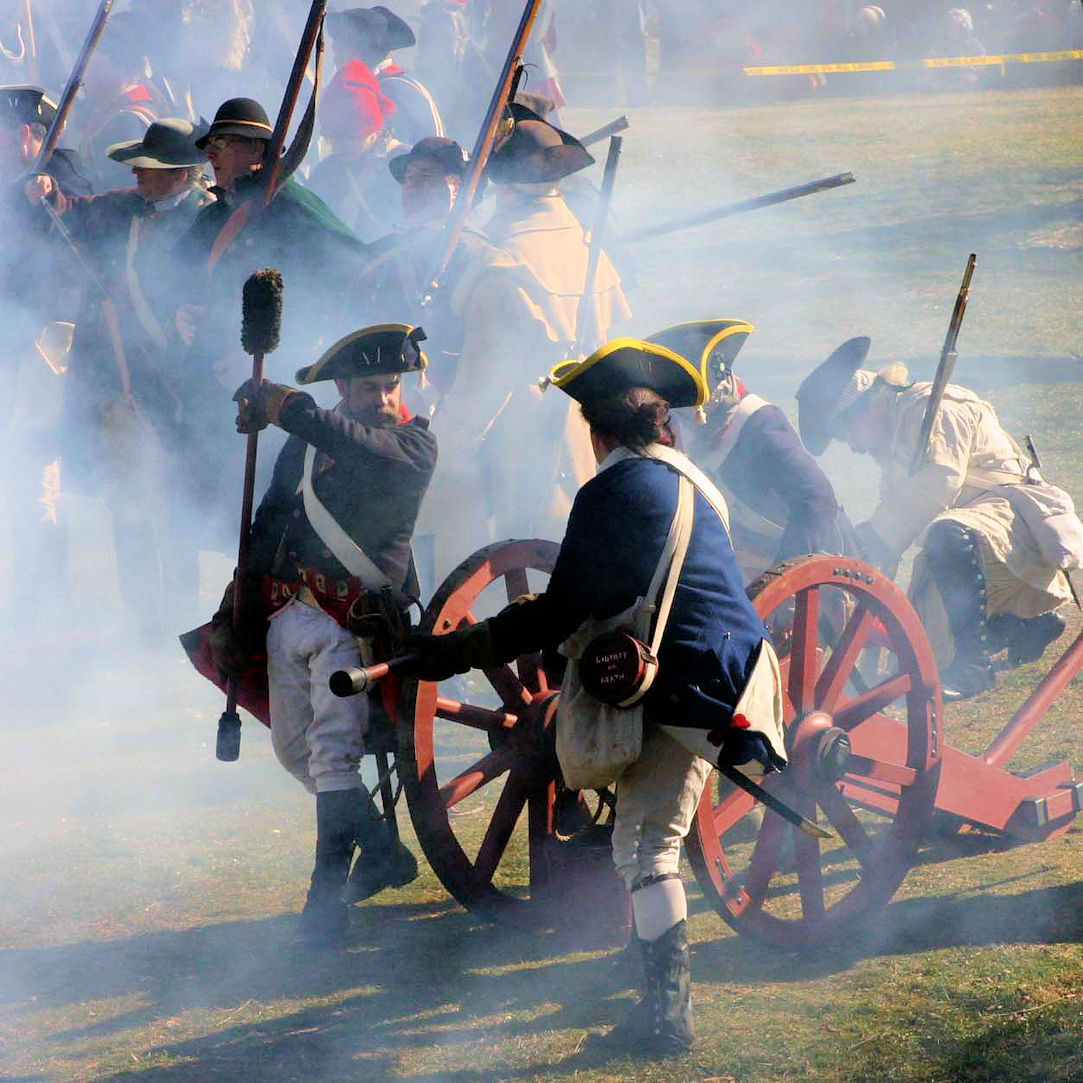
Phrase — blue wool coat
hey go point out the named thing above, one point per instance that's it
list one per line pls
(615, 534)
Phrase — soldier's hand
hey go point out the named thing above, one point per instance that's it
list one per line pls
(741, 746)
(39, 187)
(259, 406)
(439, 657)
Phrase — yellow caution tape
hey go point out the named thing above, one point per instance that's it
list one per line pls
(932, 62)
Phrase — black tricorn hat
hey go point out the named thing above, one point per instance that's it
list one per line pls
(711, 345)
(169, 143)
(631, 362)
(239, 116)
(535, 152)
(378, 26)
(26, 105)
(820, 398)
(380, 350)
(445, 152)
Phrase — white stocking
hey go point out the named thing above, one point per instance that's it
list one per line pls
(658, 907)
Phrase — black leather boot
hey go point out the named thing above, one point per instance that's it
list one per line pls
(380, 864)
(954, 557)
(661, 1023)
(324, 919)
(1026, 639)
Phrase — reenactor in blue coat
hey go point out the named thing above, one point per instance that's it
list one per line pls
(781, 502)
(714, 652)
(334, 527)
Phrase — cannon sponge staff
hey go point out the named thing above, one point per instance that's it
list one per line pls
(981, 582)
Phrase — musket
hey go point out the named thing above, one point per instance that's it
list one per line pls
(75, 81)
(614, 127)
(585, 331)
(729, 209)
(483, 148)
(945, 368)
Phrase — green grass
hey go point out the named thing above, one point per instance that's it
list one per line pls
(148, 891)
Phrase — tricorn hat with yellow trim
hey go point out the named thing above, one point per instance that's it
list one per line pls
(631, 362)
(381, 350)
(711, 345)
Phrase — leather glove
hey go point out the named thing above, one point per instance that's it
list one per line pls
(741, 746)
(876, 549)
(438, 657)
(234, 651)
(258, 407)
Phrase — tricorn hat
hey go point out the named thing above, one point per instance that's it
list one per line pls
(829, 390)
(380, 350)
(238, 116)
(26, 105)
(536, 152)
(711, 345)
(169, 143)
(378, 26)
(631, 362)
(445, 152)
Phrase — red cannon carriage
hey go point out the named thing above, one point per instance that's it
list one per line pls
(856, 664)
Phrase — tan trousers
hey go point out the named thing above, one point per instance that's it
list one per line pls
(656, 802)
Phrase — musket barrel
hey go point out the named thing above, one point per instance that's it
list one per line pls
(614, 127)
(838, 180)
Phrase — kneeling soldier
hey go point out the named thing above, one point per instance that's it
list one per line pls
(335, 524)
(981, 571)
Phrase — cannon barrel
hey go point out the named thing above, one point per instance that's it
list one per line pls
(352, 682)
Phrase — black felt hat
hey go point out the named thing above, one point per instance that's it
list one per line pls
(631, 362)
(828, 390)
(26, 105)
(711, 345)
(170, 143)
(380, 350)
(238, 116)
(445, 152)
(535, 151)
(378, 27)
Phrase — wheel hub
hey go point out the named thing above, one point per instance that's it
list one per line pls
(819, 751)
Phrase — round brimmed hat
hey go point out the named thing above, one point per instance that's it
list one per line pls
(379, 27)
(829, 390)
(167, 144)
(632, 362)
(711, 345)
(238, 116)
(26, 104)
(446, 153)
(380, 350)
(535, 152)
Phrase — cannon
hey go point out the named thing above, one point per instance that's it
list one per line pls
(868, 758)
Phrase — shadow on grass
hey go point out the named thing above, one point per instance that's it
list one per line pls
(421, 976)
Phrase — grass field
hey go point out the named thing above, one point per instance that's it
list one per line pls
(147, 891)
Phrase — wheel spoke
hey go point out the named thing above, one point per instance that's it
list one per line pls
(478, 718)
(490, 766)
(849, 827)
(843, 659)
(515, 582)
(731, 809)
(806, 624)
(764, 859)
(810, 881)
(505, 816)
(854, 711)
(881, 771)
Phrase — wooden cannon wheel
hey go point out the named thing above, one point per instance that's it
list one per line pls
(471, 770)
(862, 703)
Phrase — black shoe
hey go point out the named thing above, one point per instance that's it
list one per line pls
(964, 680)
(1034, 636)
(325, 918)
(660, 1025)
(373, 871)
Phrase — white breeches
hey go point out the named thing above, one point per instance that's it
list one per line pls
(318, 737)
(656, 803)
